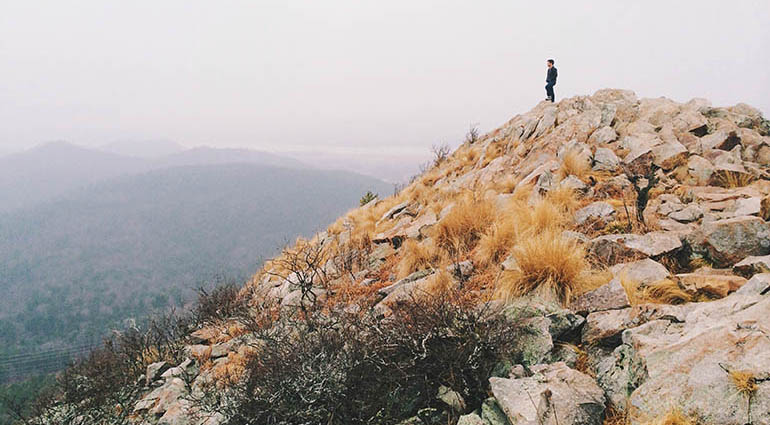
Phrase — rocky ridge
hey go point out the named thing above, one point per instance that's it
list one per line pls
(671, 203)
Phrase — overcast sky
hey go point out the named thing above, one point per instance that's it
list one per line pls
(352, 75)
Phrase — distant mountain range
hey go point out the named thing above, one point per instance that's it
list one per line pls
(51, 170)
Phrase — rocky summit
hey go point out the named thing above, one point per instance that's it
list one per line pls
(601, 260)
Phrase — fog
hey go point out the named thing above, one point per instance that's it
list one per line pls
(350, 76)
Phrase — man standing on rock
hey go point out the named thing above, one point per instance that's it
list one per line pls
(550, 80)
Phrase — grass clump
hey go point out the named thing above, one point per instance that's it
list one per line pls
(744, 381)
(732, 179)
(665, 291)
(464, 225)
(673, 417)
(548, 265)
(575, 164)
(417, 256)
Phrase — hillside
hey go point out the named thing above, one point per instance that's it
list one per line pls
(601, 260)
(72, 269)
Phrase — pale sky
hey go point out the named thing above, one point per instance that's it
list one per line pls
(339, 75)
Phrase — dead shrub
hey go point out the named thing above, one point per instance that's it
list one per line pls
(357, 369)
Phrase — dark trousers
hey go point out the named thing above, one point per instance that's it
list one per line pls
(549, 91)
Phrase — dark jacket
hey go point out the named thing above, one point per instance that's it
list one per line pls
(551, 78)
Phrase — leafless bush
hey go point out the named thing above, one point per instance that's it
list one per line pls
(440, 153)
(358, 369)
(644, 178)
(218, 304)
(303, 267)
(103, 387)
(472, 136)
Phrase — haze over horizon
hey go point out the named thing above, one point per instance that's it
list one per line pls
(351, 77)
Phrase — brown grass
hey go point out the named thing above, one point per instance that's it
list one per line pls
(573, 163)
(665, 291)
(549, 265)
(506, 185)
(459, 231)
(673, 417)
(732, 179)
(563, 198)
(744, 381)
(494, 245)
(440, 282)
(417, 256)
(613, 416)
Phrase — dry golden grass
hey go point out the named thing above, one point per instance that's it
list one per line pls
(229, 373)
(468, 158)
(563, 198)
(506, 185)
(673, 417)
(464, 225)
(665, 291)
(541, 216)
(732, 179)
(697, 263)
(744, 381)
(417, 256)
(495, 243)
(550, 266)
(419, 192)
(345, 292)
(573, 163)
(439, 282)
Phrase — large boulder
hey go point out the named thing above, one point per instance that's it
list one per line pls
(642, 272)
(684, 359)
(610, 296)
(595, 211)
(554, 395)
(711, 282)
(728, 241)
(605, 160)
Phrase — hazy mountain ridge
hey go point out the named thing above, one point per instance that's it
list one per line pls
(52, 170)
(71, 268)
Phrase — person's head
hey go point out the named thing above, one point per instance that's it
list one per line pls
(549, 62)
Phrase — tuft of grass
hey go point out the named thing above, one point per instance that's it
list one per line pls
(665, 291)
(506, 185)
(439, 283)
(744, 381)
(573, 163)
(417, 256)
(494, 245)
(732, 179)
(460, 230)
(564, 198)
(549, 265)
(673, 417)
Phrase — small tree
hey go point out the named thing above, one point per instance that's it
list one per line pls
(644, 178)
(368, 197)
